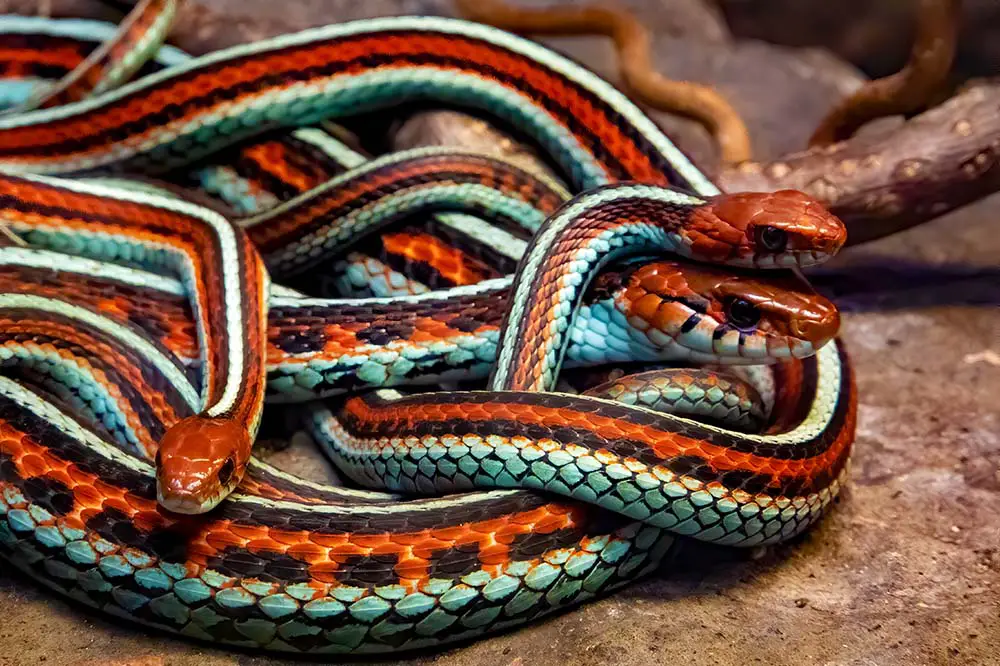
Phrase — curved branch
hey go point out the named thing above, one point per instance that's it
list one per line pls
(936, 162)
(633, 42)
(909, 89)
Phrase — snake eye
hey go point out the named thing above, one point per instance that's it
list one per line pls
(742, 314)
(226, 471)
(772, 239)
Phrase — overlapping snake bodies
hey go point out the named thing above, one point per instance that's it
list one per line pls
(102, 359)
(171, 117)
(223, 275)
(423, 568)
(320, 347)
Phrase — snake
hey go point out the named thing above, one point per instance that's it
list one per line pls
(115, 60)
(194, 483)
(605, 489)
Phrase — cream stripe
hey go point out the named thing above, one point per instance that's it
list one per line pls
(229, 269)
(536, 52)
(126, 337)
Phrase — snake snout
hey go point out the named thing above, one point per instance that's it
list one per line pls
(817, 325)
(196, 462)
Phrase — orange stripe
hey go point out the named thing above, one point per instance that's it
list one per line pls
(207, 539)
(283, 64)
(663, 443)
(66, 57)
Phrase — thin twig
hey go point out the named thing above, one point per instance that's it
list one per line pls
(907, 91)
(633, 43)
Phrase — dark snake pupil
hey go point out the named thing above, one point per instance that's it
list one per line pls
(773, 239)
(743, 314)
(226, 471)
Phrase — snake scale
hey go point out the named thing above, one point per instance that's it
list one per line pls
(140, 336)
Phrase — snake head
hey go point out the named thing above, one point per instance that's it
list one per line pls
(708, 314)
(200, 460)
(765, 230)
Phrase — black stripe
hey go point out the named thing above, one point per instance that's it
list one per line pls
(690, 323)
(294, 486)
(592, 439)
(365, 519)
(541, 97)
(487, 307)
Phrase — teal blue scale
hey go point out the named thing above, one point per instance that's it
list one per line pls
(653, 498)
(373, 619)
(368, 277)
(601, 333)
(351, 95)
(106, 247)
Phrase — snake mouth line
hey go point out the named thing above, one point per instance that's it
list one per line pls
(186, 506)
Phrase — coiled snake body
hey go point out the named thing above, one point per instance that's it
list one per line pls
(111, 358)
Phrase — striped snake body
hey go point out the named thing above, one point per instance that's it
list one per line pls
(163, 333)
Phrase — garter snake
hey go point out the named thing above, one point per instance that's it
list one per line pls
(288, 565)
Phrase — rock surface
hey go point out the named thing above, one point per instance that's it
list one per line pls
(904, 570)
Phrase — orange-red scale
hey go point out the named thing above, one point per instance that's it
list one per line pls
(602, 132)
(449, 262)
(663, 444)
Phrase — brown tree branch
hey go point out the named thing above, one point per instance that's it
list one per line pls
(879, 184)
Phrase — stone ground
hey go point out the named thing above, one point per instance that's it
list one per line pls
(904, 570)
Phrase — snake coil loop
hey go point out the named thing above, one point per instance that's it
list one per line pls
(140, 337)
